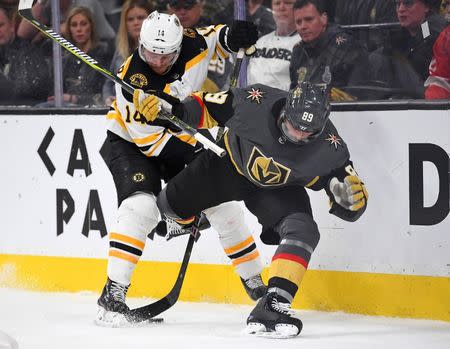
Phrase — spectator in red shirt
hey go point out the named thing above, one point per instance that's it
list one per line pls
(437, 86)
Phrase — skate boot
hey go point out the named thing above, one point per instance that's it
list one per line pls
(112, 307)
(254, 286)
(272, 317)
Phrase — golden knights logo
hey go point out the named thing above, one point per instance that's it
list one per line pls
(266, 171)
(138, 80)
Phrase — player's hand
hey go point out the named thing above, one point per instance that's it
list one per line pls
(146, 104)
(241, 34)
(350, 194)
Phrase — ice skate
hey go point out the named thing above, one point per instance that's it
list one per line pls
(111, 305)
(254, 286)
(273, 318)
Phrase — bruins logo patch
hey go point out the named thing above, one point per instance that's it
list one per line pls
(266, 171)
(138, 177)
(138, 80)
(189, 32)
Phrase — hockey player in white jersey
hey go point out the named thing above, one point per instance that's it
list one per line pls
(274, 50)
(141, 153)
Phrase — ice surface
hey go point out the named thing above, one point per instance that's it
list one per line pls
(65, 321)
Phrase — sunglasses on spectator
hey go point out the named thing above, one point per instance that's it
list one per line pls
(183, 6)
(406, 3)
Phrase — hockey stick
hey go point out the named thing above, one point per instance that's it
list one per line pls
(25, 12)
(239, 14)
(147, 312)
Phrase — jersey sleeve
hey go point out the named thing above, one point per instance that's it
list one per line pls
(205, 110)
(149, 137)
(196, 69)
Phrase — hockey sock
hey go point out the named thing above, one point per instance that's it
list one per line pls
(137, 216)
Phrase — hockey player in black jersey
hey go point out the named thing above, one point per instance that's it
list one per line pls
(278, 144)
(141, 152)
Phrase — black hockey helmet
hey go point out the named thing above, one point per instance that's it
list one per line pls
(307, 109)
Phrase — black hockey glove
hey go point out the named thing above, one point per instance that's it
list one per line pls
(241, 34)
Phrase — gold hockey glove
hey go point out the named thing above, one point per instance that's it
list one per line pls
(146, 104)
(350, 194)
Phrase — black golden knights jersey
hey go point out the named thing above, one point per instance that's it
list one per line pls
(185, 76)
(254, 140)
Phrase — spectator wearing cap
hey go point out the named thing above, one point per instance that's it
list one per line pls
(24, 74)
(403, 64)
(189, 12)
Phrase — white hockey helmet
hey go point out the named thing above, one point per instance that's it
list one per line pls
(162, 34)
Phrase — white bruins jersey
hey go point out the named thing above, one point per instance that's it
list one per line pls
(270, 63)
(187, 75)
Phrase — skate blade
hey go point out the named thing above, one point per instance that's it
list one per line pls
(282, 331)
(106, 318)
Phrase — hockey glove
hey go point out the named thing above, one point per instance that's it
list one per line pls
(349, 198)
(146, 104)
(241, 34)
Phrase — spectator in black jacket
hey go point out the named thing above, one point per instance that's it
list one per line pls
(24, 75)
(348, 12)
(327, 54)
(403, 64)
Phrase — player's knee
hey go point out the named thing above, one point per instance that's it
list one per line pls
(300, 227)
(141, 208)
(226, 217)
(164, 205)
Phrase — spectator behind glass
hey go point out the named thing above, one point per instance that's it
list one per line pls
(256, 13)
(132, 15)
(327, 54)
(24, 74)
(403, 64)
(82, 85)
(366, 12)
(274, 50)
(446, 10)
(41, 10)
(189, 12)
(438, 83)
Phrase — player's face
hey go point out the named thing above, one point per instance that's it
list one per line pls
(283, 13)
(411, 13)
(159, 63)
(292, 133)
(6, 29)
(80, 29)
(134, 19)
(309, 22)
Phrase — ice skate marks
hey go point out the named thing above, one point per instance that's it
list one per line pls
(112, 319)
(282, 331)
